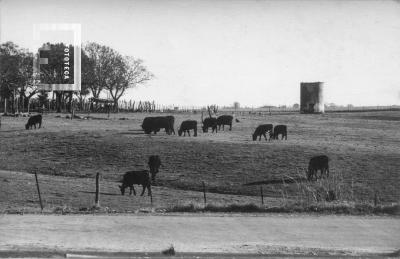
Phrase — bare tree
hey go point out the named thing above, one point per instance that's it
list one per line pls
(106, 69)
(128, 72)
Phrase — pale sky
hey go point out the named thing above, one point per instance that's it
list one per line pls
(253, 52)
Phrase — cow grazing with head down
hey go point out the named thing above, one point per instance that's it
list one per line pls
(318, 163)
(262, 130)
(279, 130)
(210, 123)
(154, 124)
(154, 164)
(186, 126)
(224, 120)
(136, 177)
(32, 121)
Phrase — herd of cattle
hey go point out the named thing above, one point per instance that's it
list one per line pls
(155, 124)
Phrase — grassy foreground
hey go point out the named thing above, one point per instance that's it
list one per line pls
(363, 148)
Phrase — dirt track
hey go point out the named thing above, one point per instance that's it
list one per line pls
(266, 234)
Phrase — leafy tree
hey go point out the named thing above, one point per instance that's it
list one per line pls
(97, 67)
(87, 76)
(16, 73)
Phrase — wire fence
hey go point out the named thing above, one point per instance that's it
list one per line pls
(104, 106)
(21, 190)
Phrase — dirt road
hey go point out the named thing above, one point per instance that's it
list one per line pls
(261, 234)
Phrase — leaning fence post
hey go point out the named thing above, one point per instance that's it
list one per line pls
(38, 189)
(151, 198)
(262, 195)
(352, 190)
(204, 192)
(97, 199)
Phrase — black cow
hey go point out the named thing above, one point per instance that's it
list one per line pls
(186, 126)
(262, 130)
(136, 177)
(210, 123)
(279, 130)
(171, 121)
(154, 164)
(154, 124)
(318, 163)
(224, 120)
(32, 121)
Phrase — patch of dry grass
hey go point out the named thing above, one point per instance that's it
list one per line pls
(322, 208)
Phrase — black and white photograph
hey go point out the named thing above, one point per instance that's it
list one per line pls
(199, 128)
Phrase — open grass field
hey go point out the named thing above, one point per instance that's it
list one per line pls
(364, 152)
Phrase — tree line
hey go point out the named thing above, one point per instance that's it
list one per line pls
(103, 70)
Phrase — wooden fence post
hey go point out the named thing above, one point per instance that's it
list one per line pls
(352, 190)
(97, 199)
(204, 193)
(262, 195)
(38, 189)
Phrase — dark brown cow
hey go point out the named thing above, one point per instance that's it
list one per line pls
(224, 120)
(318, 163)
(279, 130)
(210, 123)
(154, 124)
(186, 126)
(32, 121)
(171, 122)
(136, 177)
(261, 130)
(154, 164)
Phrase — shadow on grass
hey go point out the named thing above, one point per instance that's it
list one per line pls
(102, 193)
(14, 130)
(132, 133)
(284, 180)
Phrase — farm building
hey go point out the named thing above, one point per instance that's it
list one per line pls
(311, 97)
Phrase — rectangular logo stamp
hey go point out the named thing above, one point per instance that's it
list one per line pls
(57, 61)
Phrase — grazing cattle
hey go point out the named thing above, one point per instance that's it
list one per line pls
(262, 130)
(318, 163)
(224, 120)
(154, 164)
(210, 123)
(32, 121)
(279, 130)
(171, 121)
(136, 177)
(186, 126)
(154, 124)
